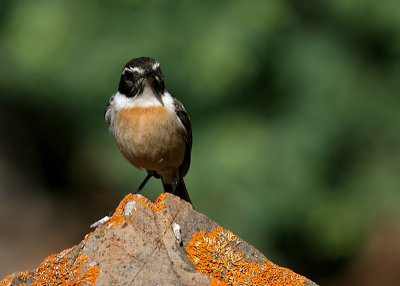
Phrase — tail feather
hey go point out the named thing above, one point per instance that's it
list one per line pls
(179, 191)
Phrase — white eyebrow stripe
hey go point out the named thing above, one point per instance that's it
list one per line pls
(135, 69)
(156, 65)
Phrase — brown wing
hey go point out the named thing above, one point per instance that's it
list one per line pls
(184, 118)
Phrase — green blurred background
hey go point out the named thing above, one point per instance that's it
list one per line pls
(295, 115)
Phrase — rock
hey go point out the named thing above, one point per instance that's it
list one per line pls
(162, 243)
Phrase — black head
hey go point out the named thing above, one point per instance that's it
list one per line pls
(137, 73)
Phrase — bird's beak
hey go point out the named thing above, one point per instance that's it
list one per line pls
(150, 72)
(151, 76)
(154, 76)
(155, 79)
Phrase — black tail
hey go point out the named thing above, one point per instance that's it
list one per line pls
(179, 191)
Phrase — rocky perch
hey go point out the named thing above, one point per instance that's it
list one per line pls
(162, 243)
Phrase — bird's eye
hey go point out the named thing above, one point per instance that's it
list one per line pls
(128, 75)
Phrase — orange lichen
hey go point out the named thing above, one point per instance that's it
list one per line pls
(117, 217)
(24, 275)
(86, 239)
(216, 282)
(213, 255)
(156, 206)
(6, 281)
(56, 269)
(121, 207)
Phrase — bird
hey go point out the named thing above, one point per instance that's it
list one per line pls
(151, 127)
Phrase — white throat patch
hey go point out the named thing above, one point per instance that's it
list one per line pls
(146, 99)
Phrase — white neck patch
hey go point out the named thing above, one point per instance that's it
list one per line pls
(146, 99)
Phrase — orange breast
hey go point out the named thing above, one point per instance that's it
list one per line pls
(150, 137)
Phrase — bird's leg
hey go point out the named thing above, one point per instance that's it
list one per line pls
(149, 175)
(175, 181)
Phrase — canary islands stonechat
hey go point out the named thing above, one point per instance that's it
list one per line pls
(151, 127)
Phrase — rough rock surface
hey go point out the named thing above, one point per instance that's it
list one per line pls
(162, 243)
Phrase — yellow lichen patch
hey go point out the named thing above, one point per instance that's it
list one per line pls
(58, 270)
(213, 255)
(156, 206)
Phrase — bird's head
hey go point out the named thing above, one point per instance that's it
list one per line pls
(138, 73)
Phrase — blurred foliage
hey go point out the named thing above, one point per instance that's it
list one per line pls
(294, 107)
